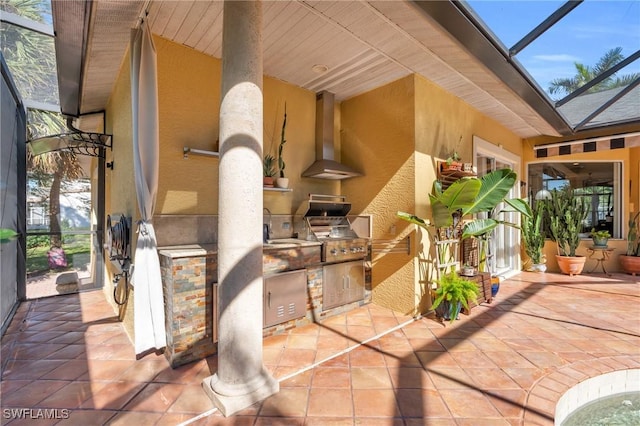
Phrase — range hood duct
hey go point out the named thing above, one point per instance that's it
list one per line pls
(325, 166)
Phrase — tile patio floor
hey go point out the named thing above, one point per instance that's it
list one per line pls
(505, 364)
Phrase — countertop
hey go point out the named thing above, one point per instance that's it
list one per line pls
(288, 243)
(188, 250)
(191, 250)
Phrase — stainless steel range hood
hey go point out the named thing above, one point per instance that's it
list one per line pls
(325, 166)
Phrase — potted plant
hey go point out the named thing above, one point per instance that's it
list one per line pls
(268, 170)
(465, 196)
(630, 261)
(533, 236)
(600, 238)
(452, 163)
(453, 293)
(494, 188)
(467, 270)
(567, 213)
(282, 181)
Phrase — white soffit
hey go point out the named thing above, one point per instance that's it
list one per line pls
(364, 45)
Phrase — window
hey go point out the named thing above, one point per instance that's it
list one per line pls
(598, 183)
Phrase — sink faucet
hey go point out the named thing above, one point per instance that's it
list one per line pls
(266, 231)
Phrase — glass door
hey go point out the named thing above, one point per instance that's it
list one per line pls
(504, 243)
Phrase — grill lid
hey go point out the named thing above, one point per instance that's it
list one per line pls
(319, 205)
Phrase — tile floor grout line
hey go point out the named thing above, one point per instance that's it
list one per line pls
(347, 350)
(314, 365)
(198, 417)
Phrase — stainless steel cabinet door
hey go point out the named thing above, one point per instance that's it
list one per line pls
(342, 283)
(285, 297)
(354, 273)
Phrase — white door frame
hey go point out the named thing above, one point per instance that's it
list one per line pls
(512, 258)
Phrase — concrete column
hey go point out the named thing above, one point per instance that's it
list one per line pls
(241, 379)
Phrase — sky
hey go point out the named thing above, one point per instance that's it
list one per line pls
(583, 36)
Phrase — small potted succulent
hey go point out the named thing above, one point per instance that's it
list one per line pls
(600, 238)
(269, 172)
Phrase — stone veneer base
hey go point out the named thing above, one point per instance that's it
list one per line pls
(189, 277)
(188, 283)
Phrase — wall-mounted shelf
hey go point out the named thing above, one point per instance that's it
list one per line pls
(268, 188)
(193, 151)
(447, 177)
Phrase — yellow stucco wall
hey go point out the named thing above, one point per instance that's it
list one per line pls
(120, 195)
(395, 135)
(188, 116)
(189, 110)
(378, 139)
(189, 106)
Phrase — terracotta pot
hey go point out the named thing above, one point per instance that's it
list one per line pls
(454, 166)
(267, 181)
(571, 265)
(630, 264)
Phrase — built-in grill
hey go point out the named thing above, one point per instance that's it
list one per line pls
(325, 220)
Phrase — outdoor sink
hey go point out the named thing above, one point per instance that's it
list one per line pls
(278, 244)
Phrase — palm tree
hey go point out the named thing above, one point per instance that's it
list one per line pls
(31, 59)
(52, 168)
(585, 74)
(30, 55)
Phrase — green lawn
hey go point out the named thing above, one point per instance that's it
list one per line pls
(77, 249)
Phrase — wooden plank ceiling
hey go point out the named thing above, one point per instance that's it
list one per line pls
(363, 45)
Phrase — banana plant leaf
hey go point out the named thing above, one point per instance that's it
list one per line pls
(494, 187)
(441, 214)
(479, 228)
(520, 206)
(7, 235)
(459, 196)
(413, 219)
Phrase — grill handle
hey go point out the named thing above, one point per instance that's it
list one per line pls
(318, 197)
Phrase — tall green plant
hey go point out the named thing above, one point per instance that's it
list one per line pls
(567, 213)
(533, 232)
(470, 195)
(493, 192)
(281, 163)
(633, 238)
